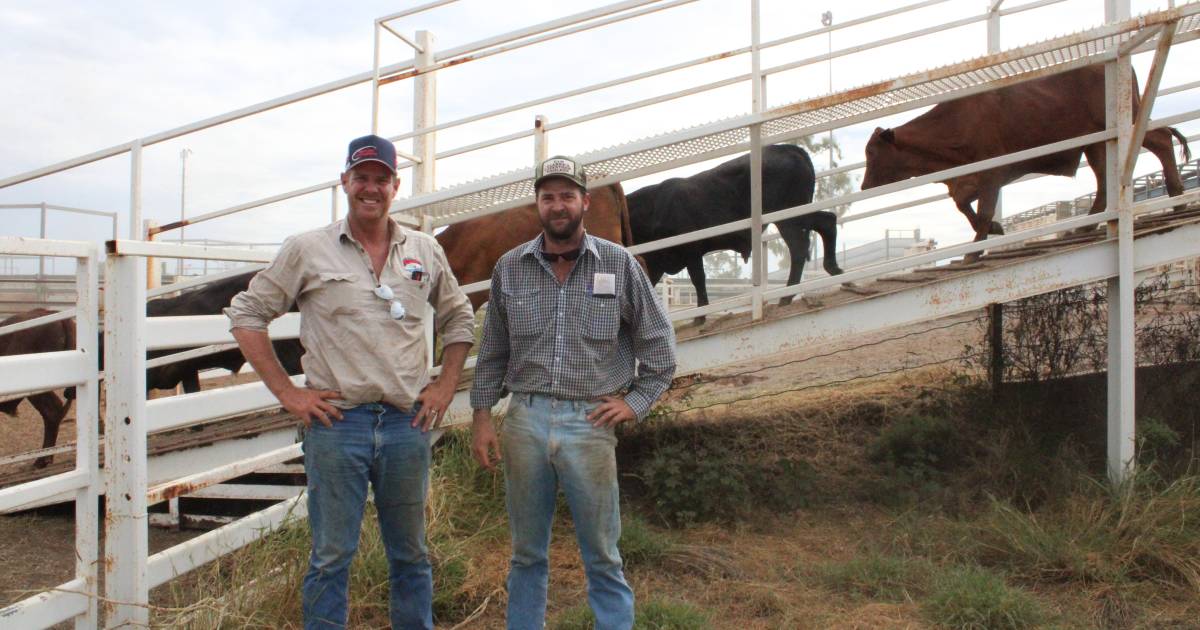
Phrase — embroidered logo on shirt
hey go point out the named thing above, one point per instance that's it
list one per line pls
(413, 268)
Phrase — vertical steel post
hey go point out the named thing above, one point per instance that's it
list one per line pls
(87, 499)
(541, 143)
(1121, 340)
(333, 206)
(424, 116)
(996, 336)
(993, 46)
(41, 280)
(135, 190)
(125, 549)
(375, 83)
(757, 277)
(153, 271)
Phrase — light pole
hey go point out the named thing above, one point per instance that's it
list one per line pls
(183, 156)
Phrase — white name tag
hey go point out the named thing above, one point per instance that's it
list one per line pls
(604, 284)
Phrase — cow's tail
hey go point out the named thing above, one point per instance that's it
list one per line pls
(623, 211)
(1185, 153)
(626, 227)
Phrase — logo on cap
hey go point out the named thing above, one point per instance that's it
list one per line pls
(364, 153)
(558, 167)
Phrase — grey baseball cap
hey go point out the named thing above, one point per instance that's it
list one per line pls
(560, 166)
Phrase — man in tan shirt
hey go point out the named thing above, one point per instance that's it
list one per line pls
(364, 286)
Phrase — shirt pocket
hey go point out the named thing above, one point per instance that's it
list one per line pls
(601, 320)
(526, 317)
(415, 298)
(340, 293)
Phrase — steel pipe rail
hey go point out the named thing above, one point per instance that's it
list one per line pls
(187, 485)
(16, 497)
(46, 370)
(212, 405)
(48, 608)
(186, 331)
(37, 321)
(180, 559)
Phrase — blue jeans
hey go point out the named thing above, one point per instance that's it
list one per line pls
(372, 443)
(548, 443)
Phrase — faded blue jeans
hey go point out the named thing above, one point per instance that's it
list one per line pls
(373, 443)
(549, 444)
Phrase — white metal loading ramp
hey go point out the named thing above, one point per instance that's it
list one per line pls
(976, 286)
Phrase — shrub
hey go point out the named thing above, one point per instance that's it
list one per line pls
(971, 597)
(689, 483)
(912, 455)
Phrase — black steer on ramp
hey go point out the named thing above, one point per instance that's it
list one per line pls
(720, 195)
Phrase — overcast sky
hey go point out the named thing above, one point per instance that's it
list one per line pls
(80, 77)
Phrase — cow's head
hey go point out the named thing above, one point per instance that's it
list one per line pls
(885, 160)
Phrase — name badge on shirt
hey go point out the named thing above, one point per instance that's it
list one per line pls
(604, 285)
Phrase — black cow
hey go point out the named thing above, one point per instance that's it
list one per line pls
(721, 195)
(208, 299)
(53, 337)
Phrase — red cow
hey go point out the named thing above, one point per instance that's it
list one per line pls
(1003, 121)
(473, 247)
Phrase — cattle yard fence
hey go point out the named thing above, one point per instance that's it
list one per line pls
(130, 571)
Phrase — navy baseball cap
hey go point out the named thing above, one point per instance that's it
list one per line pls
(371, 149)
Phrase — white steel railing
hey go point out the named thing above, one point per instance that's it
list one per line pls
(521, 38)
(77, 367)
(130, 570)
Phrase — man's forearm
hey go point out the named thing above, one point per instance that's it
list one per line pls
(256, 347)
(454, 356)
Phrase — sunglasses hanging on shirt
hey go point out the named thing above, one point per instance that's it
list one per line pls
(384, 292)
(553, 257)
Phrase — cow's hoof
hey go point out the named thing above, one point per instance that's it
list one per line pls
(785, 300)
(698, 321)
(996, 228)
(811, 302)
(834, 271)
(971, 258)
(42, 462)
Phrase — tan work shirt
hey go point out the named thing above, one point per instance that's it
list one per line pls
(352, 343)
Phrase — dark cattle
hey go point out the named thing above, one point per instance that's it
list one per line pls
(721, 195)
(208, 299)
(473, 247)
(52, 337)
(1004, 121)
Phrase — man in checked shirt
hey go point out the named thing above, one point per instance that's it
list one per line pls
(576, 333)
(363, 285)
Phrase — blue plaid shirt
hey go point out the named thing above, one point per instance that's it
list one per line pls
(568, 341)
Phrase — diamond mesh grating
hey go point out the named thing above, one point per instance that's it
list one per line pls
(643, 155)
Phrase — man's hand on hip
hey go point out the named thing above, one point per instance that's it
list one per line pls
(434, 399)
(308, 404)
(484, 445)
(613, 410)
